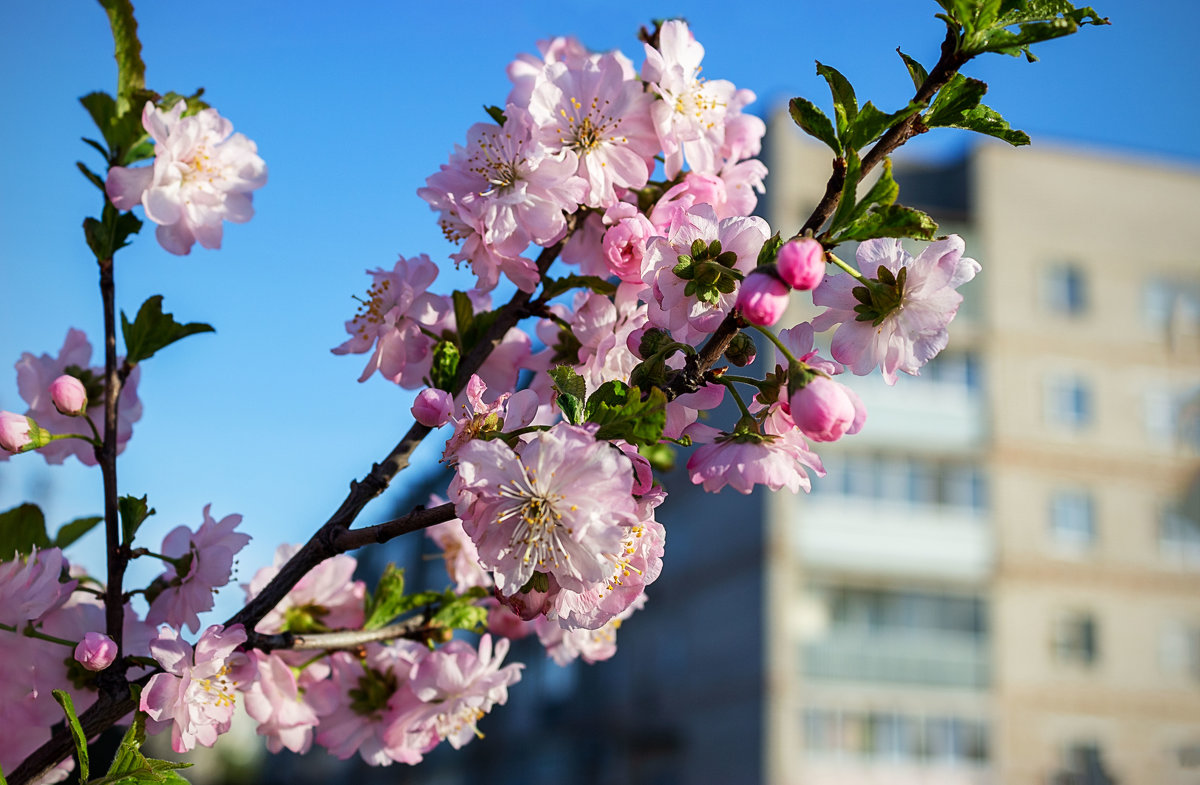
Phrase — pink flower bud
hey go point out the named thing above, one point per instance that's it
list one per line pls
(433, 407)
(825, 410)
(96, 651)
(763, 299)
(801, 263)
(14, 431)
(69, 395)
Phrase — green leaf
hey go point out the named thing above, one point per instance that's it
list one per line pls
(70, 532)
(130, 766)
(572, 390)
(153, 330)
(131, 71)
(133, 512)
(661, 456)
(959, 95)
(845, 104)
(813, 122)
(988, 29)
(77, 735)
(111, 233)
(622, 414)
(871, 123)
(986, 120)
(388, 601)
(464, 311)
(443, 370)
(915, 70)
(21, 529)
(480, 324)
(553, 287)
(770, 250)
(849, 199)
(883, 192)
(92, 177)
(496, 113)
(890, 221)
(460, 613)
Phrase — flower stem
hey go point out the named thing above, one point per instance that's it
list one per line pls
(778, 343)
(30, 632)
(833, 258)
(741, 404)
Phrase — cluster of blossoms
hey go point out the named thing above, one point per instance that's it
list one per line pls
(551, 437)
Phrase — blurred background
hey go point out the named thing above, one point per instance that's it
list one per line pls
(999, 580)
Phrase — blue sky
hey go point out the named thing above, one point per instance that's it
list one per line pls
(352, 108)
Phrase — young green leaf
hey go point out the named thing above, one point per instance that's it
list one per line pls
(770, 250)
(133, 512)
(845, 104)
(846, 204)
(153, 330)
(443, 369)
(622, 414)
(460, 613)
(986, 120)
(388, 601)
(915, 70)
(813, 122)
(464, 311)
(92, 177)
(883, 192)
(21, 530)
(77, 734)
(890, 221)
(958, 96)
(496, 113)
(871, 123)
(111, 233)
(572, 390)
(553, 287)
(70, 532)
(131, 767)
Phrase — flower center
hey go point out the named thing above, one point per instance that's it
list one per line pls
(591, 131)
(538, 536)
(217, 690)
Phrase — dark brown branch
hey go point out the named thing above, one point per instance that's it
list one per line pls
(106, 456)
(416, 520)
(348, 639)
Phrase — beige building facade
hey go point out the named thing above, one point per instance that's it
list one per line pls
(999, 579)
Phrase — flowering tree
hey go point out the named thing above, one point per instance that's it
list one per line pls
(557, 406)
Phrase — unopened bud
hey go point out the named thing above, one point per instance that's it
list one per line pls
(763, 299)
(741, 350)
(96, 651)
(432, 407)
(801, 263)
(651, 342)
(19, 433)
(69, 395)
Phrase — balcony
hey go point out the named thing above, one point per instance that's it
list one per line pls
(880, 537)
(921, 659)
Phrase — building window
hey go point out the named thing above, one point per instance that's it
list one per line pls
(1075, 639)
(895, 737)
(1065, 289)
(1172, 418)
(1068, 402)
(1083, 764)
(1179, 538)
(1072, 519)
(1179, 649)
(1171, 307)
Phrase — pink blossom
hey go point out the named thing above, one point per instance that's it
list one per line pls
(778, 457)
(599, 112)
(208, 555)
(801, 263)
(524, 71)
(68, 395)
(96, 651)
(825, 410)
(389, 322)
(635, 566)
(556, 507)
(564, 645)
(326, 598)
(624, 242)
(30, 586)
(603, 326)
(906, 335)
(690, 117)
(456, 685)
(203, 174)
(688, 317)
(275, 699)
(34, 376)
(480, 417)
(363, 699)
(195, 696)
(762, 299)
(432, 408)
(15, 432)
(458, 550)
(799, 340)
(509, 190)
(502, 621)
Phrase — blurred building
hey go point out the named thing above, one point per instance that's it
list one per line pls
(999, 579)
